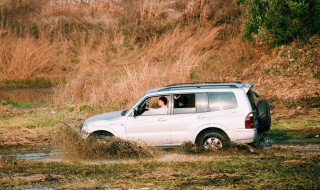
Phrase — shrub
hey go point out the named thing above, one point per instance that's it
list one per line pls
(16, 15)
(282, 21)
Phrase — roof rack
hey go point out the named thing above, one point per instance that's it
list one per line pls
(202, 83)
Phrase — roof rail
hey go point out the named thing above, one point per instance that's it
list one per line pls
(201, 83)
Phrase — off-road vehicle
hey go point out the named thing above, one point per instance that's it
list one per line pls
(209, 114)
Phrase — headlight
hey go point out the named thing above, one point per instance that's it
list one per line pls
(83, 128)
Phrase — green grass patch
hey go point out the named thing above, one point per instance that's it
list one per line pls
(43, 118)
(296, 129)
(24, 104)
(30, 83)
(233, 172)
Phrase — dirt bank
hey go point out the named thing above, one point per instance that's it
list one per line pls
(24, 137)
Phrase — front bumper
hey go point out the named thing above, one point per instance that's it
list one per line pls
(83, 131)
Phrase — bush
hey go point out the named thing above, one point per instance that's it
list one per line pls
(282, 21)
(16, 15)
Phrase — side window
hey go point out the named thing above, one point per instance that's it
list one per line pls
(184, 103)
(202, 102)
(219, 101)
(156, 105)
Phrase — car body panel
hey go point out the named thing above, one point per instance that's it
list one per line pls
(174, 129)
(153, 130)
(183, 126)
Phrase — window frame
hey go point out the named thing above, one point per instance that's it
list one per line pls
(152, 96)
(206, 101)
(185, 93)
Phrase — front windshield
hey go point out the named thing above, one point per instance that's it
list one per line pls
(126, 111)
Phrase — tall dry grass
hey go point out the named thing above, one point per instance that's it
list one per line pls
(112, 51)
(23, 58)
(170, 59)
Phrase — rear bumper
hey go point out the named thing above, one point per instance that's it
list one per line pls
(243, 135)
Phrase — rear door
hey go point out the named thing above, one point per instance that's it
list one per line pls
(189, 113)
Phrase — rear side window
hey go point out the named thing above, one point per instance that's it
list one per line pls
(184, 103)
(219, 101)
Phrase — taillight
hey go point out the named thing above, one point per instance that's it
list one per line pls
(249, 121)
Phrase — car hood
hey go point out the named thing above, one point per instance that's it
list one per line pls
(104, 116)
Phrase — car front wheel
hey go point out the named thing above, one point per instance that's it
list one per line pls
(100, 136)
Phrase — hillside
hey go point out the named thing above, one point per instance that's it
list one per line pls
(107, 53)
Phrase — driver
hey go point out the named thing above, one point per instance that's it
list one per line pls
(163, 108)
(162, 102)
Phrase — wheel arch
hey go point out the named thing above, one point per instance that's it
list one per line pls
(102, 132)
(211, 129)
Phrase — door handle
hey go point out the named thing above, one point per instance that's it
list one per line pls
(201, 117)
(162, 119)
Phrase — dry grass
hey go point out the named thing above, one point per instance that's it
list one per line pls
(110, 52)
(24, 58)
(175, 56)
(23, 137)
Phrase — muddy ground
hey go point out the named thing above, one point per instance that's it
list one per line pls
(38, 151)
(282, 166)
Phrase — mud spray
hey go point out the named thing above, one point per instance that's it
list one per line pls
(69, 142)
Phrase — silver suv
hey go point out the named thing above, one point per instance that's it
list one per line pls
(209, 114)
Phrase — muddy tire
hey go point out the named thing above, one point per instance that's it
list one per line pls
(212, 141)
(264, 117)
(100, 136)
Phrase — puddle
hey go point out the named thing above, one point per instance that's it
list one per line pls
(295, 147)
(31, 153)
(47, 153)
(26, 94)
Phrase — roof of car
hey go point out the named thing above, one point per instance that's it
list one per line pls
(203, 85)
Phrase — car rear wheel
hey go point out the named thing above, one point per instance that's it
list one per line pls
(212, 141)
(264, 116)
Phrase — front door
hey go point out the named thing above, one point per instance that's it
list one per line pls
(151, 123)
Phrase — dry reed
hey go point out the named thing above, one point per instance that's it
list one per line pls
(110, 52)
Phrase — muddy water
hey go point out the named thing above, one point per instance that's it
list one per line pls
(46, 153)
(42, 95)
(43, 153)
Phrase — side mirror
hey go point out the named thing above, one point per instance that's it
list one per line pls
(135, 112)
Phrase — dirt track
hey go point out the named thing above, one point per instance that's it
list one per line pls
(24, 137)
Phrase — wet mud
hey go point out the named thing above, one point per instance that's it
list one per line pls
(71, 147)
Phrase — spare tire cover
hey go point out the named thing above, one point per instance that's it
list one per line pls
(264, 119)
